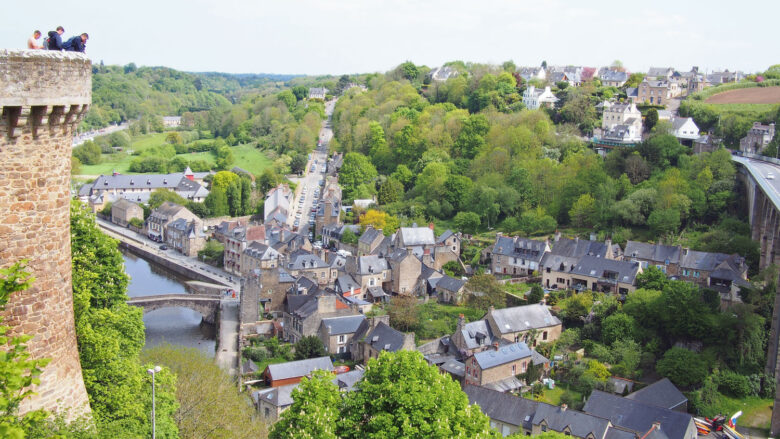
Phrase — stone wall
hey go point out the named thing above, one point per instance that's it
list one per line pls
(43, 96)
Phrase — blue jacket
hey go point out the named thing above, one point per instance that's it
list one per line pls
(55, 41)
(74, 44)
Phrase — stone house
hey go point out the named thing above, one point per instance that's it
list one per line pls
(333, 234)
(447, 249)
(660, 73)
(303, 263)
(528, 73)
(269, 288)
(336, 333)
(664, 257)
(171, 121)
(597, 274)
(420, 240)
(516, 256)
(283, 374)
(369, 271)
(621, 114)
(405, 271)
(270, 403)
(236, 241)
(318, 93)
(258, 255)
(348, 287)
(566, 253)
(519, 323)
(329, 207)
(166, 213)
(657, 92)
(369, 241)
(508, 414)
(757, 138)
(613, 78)
(122, 211)
(535, 99)
(277, 204)
(303, 313)
(497, 364)
(185, 236)
(470, 338)
(375, 335)
(450, 290)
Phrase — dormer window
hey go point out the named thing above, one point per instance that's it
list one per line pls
(132, 182)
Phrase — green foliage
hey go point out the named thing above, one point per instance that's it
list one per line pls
(314, 412)
(683, 367)
(468, 222)
(213, 252)
(652, 278)
(484, 291)
(355, 171)
(309, 347)
(536, 295)
(349, 237)
(159, 196)
(453, 268)
(618, 326)
(403, 311)
(88, 153)
(208, 403)
(110, 336)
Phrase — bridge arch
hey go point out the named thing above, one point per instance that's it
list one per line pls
(206, 305)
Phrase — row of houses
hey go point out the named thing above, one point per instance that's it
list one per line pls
(604, 266)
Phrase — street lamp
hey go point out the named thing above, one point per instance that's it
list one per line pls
(153, 372)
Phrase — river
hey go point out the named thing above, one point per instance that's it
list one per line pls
(179, 326)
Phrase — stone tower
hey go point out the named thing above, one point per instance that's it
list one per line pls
(43, 96)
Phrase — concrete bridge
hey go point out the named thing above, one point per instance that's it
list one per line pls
(206, 305)
(761, 177)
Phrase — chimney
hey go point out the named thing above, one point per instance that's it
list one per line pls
(577, 239)
(491, 308)
(351, 290)
(461, 321)
(564, 407)
(592, 236)
(499, 234)
(685, 251)
(557, 236)
(495, 345)
(430, 226)
(408, 251)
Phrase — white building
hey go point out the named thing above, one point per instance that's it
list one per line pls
(318, 93)
(534, 98)
(621, 114)
(685, 129)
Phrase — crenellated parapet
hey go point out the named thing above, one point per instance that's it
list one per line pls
(43, 97)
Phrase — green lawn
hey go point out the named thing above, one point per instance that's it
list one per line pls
(246, 156)
(756, 412)
(553, 396)
(438, 319)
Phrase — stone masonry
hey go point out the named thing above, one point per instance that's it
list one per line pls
(43, 97)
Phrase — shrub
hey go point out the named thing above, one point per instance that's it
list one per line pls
(683, 367)
(734, 384)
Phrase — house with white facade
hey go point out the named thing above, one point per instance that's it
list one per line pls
(685, 129)
(534, 98)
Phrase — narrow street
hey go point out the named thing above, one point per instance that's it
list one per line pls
(227, 343)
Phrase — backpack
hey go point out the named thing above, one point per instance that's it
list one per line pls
(46, 43)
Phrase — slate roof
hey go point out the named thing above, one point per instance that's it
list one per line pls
(613, 75)
(705, 261)
(454, 367)
(300, 368)
(477, 334)
(165, 211)
(343, 325)
(578, 248)
(520, 248)
(347, 380)
(444, 236)
(260, 251)
(382, 337)
(371, 264)
(505, 354)
(369, 236)
(377, 292)
(581, 424)
(417, 236)
(593, 266)
(176, 181)
(303, 260)
(523, 318)
(537, 358)
(502, 406)
(661, 393)
(657, 253)
(345, 282)
(658, 71)
(450, 283)
(278, 396)
(637, 416)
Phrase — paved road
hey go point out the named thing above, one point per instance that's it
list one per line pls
(172, 255)
(227, 347)
(314, 173)
(90, 135)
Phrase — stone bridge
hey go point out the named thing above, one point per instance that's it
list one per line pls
(761, 177)
(206, 305)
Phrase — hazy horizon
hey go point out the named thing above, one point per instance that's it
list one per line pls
(304, 37)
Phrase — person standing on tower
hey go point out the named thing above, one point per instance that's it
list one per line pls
(33, 43)
(54, 42)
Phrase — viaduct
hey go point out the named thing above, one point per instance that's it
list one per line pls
(761, 177)
(43, 97)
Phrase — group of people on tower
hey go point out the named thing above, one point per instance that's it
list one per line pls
(54, 41)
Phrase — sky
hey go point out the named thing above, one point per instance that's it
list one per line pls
(361, 36)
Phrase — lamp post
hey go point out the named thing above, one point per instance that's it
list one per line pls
(153, 372)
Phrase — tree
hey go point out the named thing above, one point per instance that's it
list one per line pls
(409, 70)
(683, 367)
(217, 202)
(536, 295)
(379, 220)
(403, 312)
(404, 175)
(209, 406)
(583, 211)
(309, 347)
(453, 268)
(390, 191)
(652, 278)
(174, 137)
(288, 98)
(664, 221)
(159, 196)
(651, 119)
(468, 222)
(484, 291)
(88, 153)
(637, 168)
(355, 171)
(300, 92)
(401, 396)
(616, 327)
(298, 163)
(315, 410)
(349, 237)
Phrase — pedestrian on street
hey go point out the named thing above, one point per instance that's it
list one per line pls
(77, 43)
(33, 42)
(54, 42)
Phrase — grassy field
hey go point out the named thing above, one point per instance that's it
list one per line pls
(247, 157)
(756, 412)
(553, 396)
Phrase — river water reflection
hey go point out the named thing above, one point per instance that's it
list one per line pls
(179, 326)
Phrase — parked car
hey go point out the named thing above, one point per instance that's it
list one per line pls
(163, 247)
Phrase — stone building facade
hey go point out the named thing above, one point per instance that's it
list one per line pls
(43, 96)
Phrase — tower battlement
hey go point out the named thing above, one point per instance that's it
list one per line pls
(43, 97)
